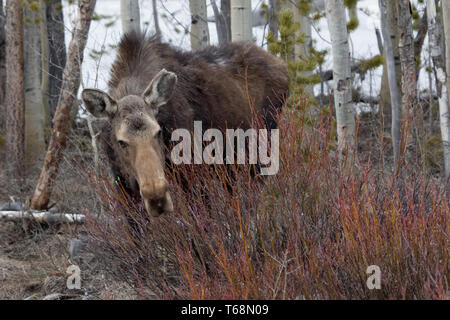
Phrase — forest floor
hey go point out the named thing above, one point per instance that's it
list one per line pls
(34, 266)
(33, 263)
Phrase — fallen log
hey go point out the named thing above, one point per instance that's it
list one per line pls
(42, 217)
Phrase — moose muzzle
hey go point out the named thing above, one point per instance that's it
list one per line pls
(156, 197)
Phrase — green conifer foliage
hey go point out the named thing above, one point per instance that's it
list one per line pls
(283, 46)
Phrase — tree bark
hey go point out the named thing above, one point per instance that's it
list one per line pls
(274, 8)
(345, 114)
(130, 16)
(225, 10)
(443, 77)
(446, 23)
(222, 20)
(156, 18)
(34, 110)
(14, 93)
(241, 20)
(42, 217)
(199, 25)
(45, 71)
(394, 91)
(385, 99)
(2, 63)
(302, 50)
(408, 64)
(56, 52)
(420, 39)
(69, 90)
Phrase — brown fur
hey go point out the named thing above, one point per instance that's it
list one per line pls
(207, 91)
(215, 86)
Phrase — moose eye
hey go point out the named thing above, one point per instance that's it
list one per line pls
(122, 144)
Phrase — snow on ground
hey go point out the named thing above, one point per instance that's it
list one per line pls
(175, 19)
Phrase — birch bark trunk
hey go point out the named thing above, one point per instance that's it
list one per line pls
(342, 78)
(14, 93)
(385, 99)
(130, 16)
(199, 25)
(408, 66)
(442, 77)
(241, 20)
(394, 90)
(156, 18)
(446, 23)
(34, 112)
(45, 63)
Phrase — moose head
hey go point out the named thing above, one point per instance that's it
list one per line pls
(137, 136)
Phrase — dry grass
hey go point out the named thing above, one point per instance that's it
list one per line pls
(309, 232)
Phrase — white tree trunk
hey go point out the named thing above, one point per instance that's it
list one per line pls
(303, 49)
(446, 20)
(408, 66)
(385, 98)
(305, 29)
(42, 217)
(436, 54)
(130, 16)
(45, 63)
(34, 110)
(241, 20)
(156, 18)
(342, 78)
(392, 79)
(199, 25)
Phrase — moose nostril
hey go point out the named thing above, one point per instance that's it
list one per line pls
(155, 194)
(158, 204)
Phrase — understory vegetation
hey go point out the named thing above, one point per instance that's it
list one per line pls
(309, 232)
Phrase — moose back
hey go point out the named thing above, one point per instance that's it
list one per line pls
(155, 88)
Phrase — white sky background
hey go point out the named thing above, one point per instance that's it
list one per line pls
(96, 73)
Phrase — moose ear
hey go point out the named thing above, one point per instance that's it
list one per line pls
(99, 103)
(160, 90)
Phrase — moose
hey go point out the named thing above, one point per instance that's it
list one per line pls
(155, 88)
